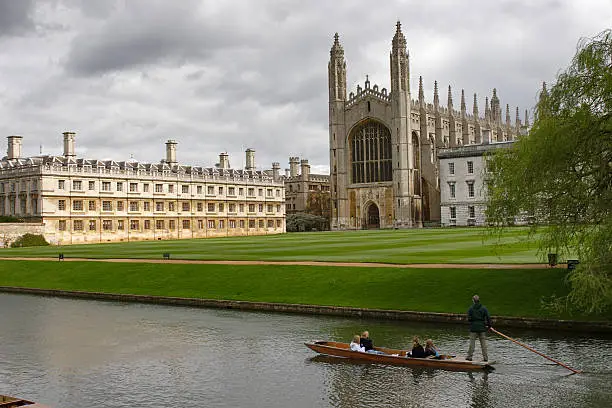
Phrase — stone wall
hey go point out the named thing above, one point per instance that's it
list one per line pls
(9, 232)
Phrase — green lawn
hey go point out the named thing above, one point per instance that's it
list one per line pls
(505, 292)
(456, 245)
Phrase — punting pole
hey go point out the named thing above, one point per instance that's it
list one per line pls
(535, 351)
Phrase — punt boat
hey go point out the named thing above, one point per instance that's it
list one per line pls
(12, 402)
(397, 357)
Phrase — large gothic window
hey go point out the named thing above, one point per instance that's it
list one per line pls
(371, 153)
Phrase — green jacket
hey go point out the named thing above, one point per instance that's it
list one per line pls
(479, 318)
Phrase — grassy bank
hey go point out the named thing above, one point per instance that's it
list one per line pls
(505, 292)
(456, 245)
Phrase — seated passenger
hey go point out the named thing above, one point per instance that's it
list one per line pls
(355, 344)
(365, 341)
(417, 350)
(431, 349)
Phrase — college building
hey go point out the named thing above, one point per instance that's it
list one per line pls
(305, 191)
(88, 201)
(383, 145)
(463, 182)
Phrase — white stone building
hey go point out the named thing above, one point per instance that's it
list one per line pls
(463, 191)
(88, 201)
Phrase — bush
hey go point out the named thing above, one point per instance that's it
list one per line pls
(29, 240)
(299, 222)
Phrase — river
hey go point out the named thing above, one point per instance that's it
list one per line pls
(70, 353)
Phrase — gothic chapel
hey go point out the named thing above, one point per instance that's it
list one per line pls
(383, 145)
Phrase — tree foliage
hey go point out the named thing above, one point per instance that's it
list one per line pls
(299, 222)
(29, 240)
(560, 174)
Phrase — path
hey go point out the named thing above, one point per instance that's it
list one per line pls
(302, 263)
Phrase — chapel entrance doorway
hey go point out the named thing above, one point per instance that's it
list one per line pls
(372, 217)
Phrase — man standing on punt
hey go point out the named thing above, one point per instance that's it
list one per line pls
(480, 323)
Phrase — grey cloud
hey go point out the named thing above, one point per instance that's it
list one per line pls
(148, 32)
(15, 17)
(224, 76)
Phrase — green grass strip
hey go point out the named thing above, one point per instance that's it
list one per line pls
(448, 245)
(516, 292)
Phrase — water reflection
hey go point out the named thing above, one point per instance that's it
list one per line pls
(479, 390)
(69, 353)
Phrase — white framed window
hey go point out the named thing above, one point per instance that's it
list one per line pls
(133, 187)
(470, 167)
(107, 225)
(77, 205)
(107, 206)
(453, 213)
(471, 211)
(159, 188)
(470, 186)
(92, 185)
(106, 186)
(61, 205)
(451, 168)
(185, 189)
(451, 190)
(77, 185)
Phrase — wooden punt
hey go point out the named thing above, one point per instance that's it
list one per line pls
(12, 402)
(397, 357)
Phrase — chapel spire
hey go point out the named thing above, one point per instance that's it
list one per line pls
(475, 108)
(436, 98)
(336, 70)
(463, 108)
(421, 92)
(400, 67)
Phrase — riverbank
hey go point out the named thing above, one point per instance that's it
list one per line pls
(514, 293)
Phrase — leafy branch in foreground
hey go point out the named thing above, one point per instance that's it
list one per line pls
(560, 174)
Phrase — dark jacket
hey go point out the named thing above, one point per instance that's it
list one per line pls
(418, 352)
(479, 318)
(366, 343)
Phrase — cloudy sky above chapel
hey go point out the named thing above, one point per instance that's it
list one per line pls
(223, 76)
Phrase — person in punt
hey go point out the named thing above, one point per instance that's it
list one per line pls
(366, 342)
(355, 346)
(417, 349)
(431, 349)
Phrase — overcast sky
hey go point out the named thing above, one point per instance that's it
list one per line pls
(126, 75)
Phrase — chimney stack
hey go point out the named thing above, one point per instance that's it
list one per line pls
(305, 169)
(171, 152)
(14, 147)
(293, 166)
(250, 159)
(224, 161)
(276, 171)
(69, 144)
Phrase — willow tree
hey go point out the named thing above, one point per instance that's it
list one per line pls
(559, 175)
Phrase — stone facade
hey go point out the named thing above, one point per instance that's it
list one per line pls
(300, 184)
(9, 232)
(90, 201)
(463, 173)
(383, 145)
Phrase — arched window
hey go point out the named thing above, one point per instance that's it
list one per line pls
(370, 153)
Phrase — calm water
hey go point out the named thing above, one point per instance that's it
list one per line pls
(77, 353)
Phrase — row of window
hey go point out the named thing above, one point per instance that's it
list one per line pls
(470, 168)
(135, 225)
(11, 187)
(471, 212)
(162, 188)
(452, 189)
(78, 205)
